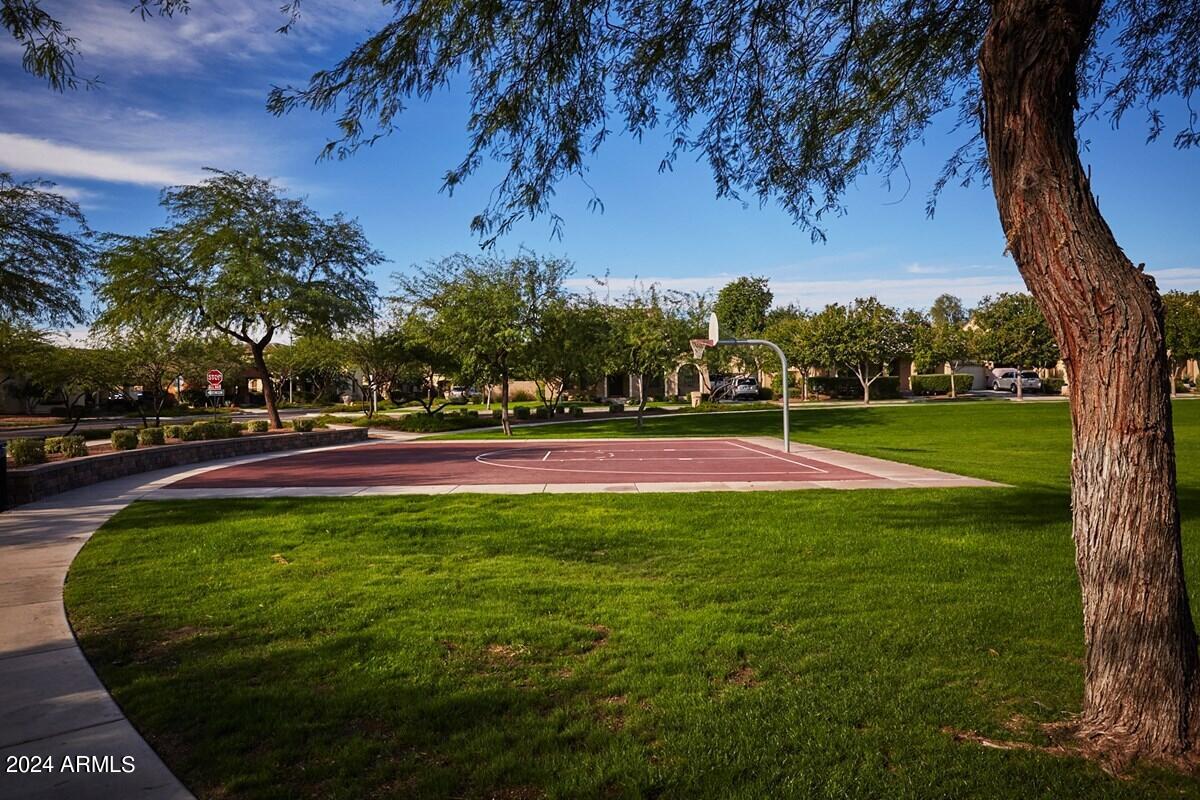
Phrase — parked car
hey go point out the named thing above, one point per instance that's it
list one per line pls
(1005, 380)
(462, 394)
(745, 389)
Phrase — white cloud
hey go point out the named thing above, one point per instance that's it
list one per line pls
(1183, 278)
(112, 39)
(29, 154)
(924, 269)
(126, 130)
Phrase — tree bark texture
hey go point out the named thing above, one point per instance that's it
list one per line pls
(260, 360)
(505, 422)
(1140, 695)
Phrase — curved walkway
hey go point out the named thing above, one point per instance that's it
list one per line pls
(52, 704)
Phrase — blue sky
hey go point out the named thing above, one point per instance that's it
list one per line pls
(177, 95)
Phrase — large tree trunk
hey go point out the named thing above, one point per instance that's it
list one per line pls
(260, 361)
(505, 422)
(641, 410)
(1140, 694)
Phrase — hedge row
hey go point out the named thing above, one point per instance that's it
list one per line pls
(940, 384)
(886, 387)
(433, 423)
(29, 451)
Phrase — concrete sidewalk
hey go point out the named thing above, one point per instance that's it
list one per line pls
(52, 705)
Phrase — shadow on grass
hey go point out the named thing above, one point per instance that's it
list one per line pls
(224, 711)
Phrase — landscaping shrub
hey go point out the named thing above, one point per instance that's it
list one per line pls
(886, 387)
(616, 408)
(66, 446)
(541, 412)
(201, 431)
(768, 393)
(708, 407)
(522, 412)
(521, 396)
(431, 423)
(259, 426)
(1055, 385)
(940, 384)
(124, 439)
(174, 431)
(237, 427)
(205, 431)
(577, 412)
(302, 425)
(27, 451)
(148, 436)
(497, 414)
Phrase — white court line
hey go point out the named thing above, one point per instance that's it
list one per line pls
(781, 458)
(547, 456)
(501, 458)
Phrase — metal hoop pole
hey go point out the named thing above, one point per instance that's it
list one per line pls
(787, 429)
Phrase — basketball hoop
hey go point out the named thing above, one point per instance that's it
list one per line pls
(714, 334)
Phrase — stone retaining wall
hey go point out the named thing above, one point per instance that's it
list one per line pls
(26, 484)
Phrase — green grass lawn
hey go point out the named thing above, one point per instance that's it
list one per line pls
(795, 644)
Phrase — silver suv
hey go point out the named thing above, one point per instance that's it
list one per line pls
(745, 389)
(1005, 380)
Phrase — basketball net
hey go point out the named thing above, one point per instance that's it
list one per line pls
(699, 346)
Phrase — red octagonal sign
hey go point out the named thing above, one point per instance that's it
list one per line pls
(214, 378)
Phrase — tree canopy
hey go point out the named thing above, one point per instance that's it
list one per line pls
(786, 103)
(1182, 318)
(45, 253)
(1013, 332)
(238, 256)
(863, 337)
(948, 310)
(651, 329)
(490, 309)
(742, 306)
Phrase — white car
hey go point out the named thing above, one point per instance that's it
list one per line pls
(460, 394)
(745, 389)
(1005, 380)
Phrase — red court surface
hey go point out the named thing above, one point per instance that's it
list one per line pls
(499, 463)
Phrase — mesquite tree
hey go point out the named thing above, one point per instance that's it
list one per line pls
(149, 353)
(650, 330)
(1182, 316)
(799, 339)
(792, 102)
(45, 253)
(489, 310)
(1011, 329)
(238, 256)
(863, 337)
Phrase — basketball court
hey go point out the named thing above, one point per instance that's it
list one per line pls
(567, 465)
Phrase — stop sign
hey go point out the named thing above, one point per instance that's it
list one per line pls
(215, 377)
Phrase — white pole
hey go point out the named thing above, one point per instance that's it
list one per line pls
(787, 431)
